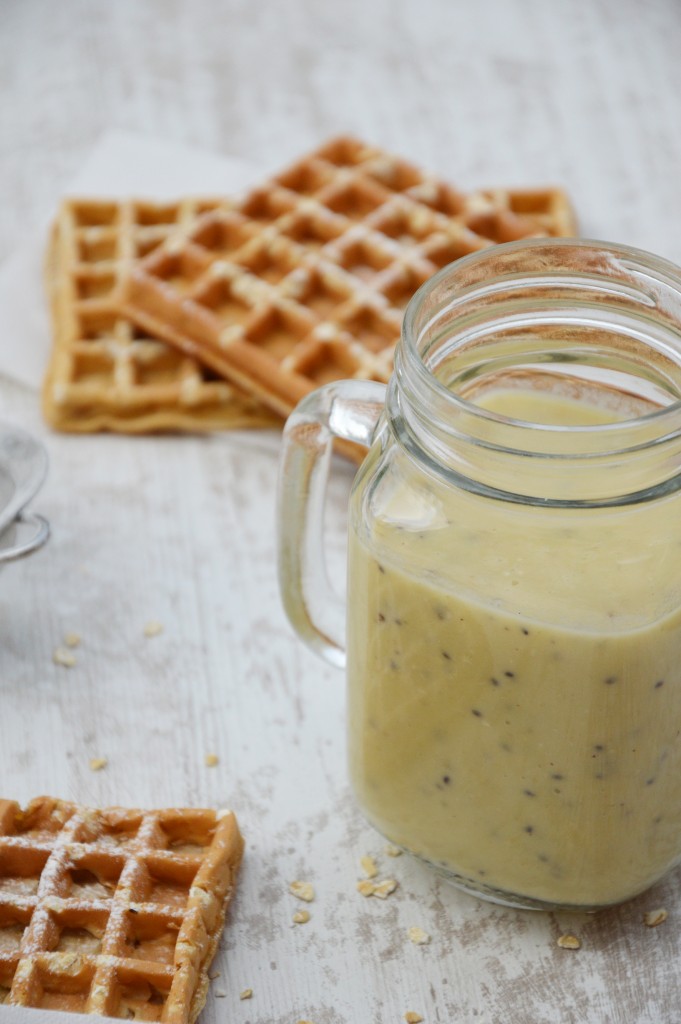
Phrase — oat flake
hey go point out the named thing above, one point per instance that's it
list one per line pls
(302, 890)
(418, 936)
(413, 1018)
(569, 942)
(655, 917)
(72, 639)
(153, 628)
(385, 888)
(301, 917)
(246, 994)
(63, 657)
(97, 763)
(368, 865)
(211, 760)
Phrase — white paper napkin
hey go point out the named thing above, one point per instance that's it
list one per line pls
(121, 164)
(24, 1015)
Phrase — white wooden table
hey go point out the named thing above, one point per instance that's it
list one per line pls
(181, 530)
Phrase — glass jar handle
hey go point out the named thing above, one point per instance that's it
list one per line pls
(349, 410)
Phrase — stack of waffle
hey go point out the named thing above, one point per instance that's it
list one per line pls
(216, 313)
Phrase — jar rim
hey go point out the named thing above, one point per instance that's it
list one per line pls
(658, 269)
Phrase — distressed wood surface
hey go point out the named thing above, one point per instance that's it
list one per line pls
(181, 530)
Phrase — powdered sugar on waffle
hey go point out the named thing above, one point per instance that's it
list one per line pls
(306, 278)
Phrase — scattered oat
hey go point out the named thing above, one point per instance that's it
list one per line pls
(569, 942)
(219, 994)
(97, 763)
(655, 917)
(412, 1017)
(63, 657)
(369, 866)
(212, 975)
(418, 936)
(385, 888)
(380, 889)
(153, 628)
(72, 639)
(211, 760)
(246, 994)
(302, 890)
(301, 917)
(393, 851)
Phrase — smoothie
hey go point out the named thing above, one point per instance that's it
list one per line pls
(515, 684)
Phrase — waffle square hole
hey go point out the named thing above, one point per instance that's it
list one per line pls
(531, 202)
(146, 243)
(344, 152)
(394, 174)
(312, 229)
(54, 988)
(98, 245)
(440, 197)
(170, 879)
(94, 876)
(94, 284)
(188, 832)
(364, 258)
(265, 206)
(277, 331)
(269, 263)
(408, 226)
(401, 286)
(13, 924)
(444, 251)
(372, 330)
(356, 200)
(136, 998)
(41, 820)
(110, 828)
(328, 361)
(217, 294)
(151, 937)
(305, 178)
(178, 269)
(95, 325)
(96, 214)
(7, 970)
(156, 213)
(94, 367)
(223, 235)
(20, 870)
(316, 291)
(155, 365)
(80, 931)
(500, 225)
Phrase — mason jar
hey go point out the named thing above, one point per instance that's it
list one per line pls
(512, 640)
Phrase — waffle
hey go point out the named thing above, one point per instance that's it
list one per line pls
(305, 279)
(105, 373)
(113, 912)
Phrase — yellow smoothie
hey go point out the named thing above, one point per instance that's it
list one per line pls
(515, 683)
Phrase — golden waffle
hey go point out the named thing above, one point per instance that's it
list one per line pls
(113, 912)
(105, 373)
(305, 279)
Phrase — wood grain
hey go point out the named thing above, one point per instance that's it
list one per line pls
(182, 529)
